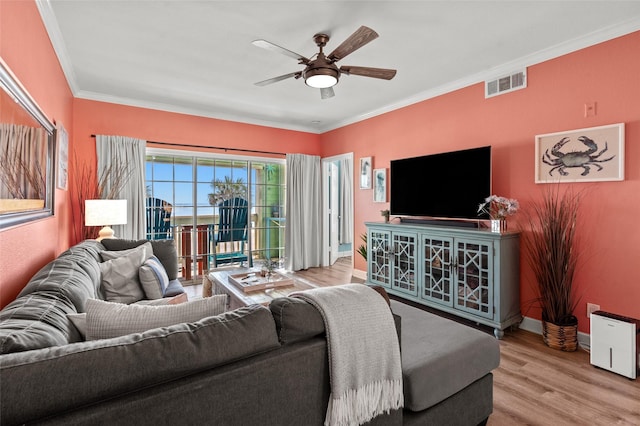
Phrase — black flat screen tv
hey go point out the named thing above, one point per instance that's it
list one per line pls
(446, 185)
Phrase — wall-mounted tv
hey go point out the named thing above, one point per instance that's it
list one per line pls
(446, 185)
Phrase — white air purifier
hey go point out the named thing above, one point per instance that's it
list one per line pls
(615, 343)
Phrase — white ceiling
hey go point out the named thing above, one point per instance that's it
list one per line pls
(196, 57)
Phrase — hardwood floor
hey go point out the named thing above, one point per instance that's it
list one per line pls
(537, 385)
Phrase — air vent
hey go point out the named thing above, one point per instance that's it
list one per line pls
(505, 84)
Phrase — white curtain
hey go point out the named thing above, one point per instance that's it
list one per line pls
(23, 162)
(123, 150)
(303, 229)
(346, 204)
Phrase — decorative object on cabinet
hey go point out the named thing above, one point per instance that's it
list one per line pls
(26, 155)
(470, 273)
(62, 178)
(583, 155)
(550, 248)
(385, 214)
(380, 186)
(498, 225)
(498, 209)
(365, 172)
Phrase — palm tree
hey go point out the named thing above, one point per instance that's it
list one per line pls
(227, 189)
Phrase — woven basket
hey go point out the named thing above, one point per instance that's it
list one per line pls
(563, 337)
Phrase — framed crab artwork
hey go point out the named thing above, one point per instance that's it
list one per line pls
(583, 155)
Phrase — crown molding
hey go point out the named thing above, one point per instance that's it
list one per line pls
(55, 35)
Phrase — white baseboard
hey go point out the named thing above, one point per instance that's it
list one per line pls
(535, 326)
(359, 274)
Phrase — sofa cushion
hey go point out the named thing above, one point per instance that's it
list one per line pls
(37, 318)
(153, 278)
(165, 250)
(120, 282)
(79, 321)
(146, 248)
(106, 320)
(440, 357)
(296, 319)
(84, 373)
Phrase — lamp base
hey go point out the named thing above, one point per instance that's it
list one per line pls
(105, 232)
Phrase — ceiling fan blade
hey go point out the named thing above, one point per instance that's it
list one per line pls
(275, 48)
(362, 36)
(327, 93)
(296, 74)
(383, 73)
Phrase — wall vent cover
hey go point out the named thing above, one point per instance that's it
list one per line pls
(505, 84)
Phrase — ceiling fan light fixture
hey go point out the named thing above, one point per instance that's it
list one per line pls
(321, 78)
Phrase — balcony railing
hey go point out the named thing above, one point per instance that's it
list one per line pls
(196, 251)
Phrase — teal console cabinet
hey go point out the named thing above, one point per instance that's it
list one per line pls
(468, 272)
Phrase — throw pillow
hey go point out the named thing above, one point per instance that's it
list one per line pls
(165, 250)
(120, 281)
(153, 278)
(114, 254)
(106, 320)
(181, 298)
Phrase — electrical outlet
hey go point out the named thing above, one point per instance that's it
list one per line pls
(591, 308)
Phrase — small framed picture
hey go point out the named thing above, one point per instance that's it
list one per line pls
(380, 185)
(583, 155)
(365, 172)
(62, 174)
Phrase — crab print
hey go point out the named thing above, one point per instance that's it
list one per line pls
(575, 159)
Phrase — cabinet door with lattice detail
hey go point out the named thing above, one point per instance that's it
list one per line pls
(405, 251)
(379, 257)
(437, 269)
(474, 277)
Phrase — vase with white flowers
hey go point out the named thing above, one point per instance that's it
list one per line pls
(498, 208)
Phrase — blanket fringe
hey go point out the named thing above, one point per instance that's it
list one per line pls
(358, 406)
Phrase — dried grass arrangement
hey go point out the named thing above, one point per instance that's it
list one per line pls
(551, 250)
(22, 180)
(89, 186)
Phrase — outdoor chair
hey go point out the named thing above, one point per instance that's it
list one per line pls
(158, 219)
(232, 230)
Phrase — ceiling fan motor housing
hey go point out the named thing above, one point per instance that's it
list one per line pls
(321, 73)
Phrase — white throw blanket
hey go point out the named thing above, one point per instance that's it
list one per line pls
(364, 355)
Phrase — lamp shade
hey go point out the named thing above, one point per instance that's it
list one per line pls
(105, 212)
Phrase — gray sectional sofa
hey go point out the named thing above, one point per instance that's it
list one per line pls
(254, 365)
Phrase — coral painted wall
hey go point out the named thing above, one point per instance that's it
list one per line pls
(554, 101)
(26, 49)
(93, 117)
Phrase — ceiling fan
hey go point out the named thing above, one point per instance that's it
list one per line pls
(321, 71)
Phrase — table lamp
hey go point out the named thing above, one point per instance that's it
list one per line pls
(105, 213)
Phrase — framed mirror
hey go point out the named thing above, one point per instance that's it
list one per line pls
(26, 155)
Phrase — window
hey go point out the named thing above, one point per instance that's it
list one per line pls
(192, 189)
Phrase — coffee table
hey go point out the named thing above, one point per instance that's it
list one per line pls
(220, 284)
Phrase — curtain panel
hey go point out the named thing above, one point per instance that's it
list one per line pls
(303, 229)
(22, 159)
(130, 151)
